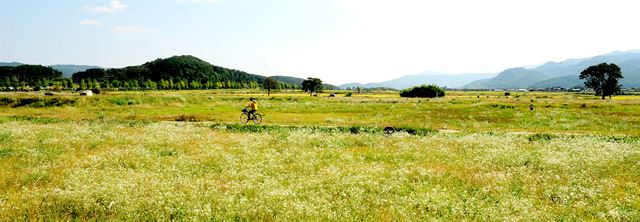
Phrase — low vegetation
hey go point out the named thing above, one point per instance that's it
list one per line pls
(182, 155)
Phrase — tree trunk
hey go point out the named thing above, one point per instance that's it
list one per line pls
(268, 91)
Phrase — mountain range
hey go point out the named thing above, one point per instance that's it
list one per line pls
(563, 74)
(551, 74)
(441, 79)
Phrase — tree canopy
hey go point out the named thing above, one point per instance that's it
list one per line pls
(428, 91)
(27, 75)
(602, 78)
(269, 84)
(312, 85)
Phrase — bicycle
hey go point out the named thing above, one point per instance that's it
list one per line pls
(256, 117)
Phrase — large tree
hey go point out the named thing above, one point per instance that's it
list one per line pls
(270, 83)
(602, 78)
(312, 85)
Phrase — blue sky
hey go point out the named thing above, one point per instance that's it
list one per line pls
(339, 41)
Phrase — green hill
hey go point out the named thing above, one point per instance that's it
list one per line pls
(181, 72)
(185, 71)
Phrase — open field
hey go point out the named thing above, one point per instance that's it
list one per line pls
(463, 111)
(123, 156)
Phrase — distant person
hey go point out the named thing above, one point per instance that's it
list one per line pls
(253, 105)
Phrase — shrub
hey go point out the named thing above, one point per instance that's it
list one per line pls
(541, 137)
(39, 102)
(187, 118)
(348, 94)
(122, 101)
(428, 91)
(5, 152)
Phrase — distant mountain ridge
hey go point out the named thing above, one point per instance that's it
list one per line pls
(11, 64)
(563, 74)
(440, 79)
(68, 70)
(511, 78)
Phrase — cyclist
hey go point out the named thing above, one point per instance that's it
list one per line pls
(254, 107)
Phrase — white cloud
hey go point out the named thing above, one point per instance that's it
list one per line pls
(114, 6)
(134, 29)
(90, 22)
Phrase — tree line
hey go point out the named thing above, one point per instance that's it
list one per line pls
(27, 76)
(174, 73)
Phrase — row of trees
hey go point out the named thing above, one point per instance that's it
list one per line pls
(27, 75)
(178, 73)
(68, 84)
(33, 77)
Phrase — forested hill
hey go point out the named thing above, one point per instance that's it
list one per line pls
(177, 72)
(191, 68)
(176, 68)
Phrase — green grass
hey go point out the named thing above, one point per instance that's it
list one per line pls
(464, 111)
(172, 155)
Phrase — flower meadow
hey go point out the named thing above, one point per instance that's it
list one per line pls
(144, 170)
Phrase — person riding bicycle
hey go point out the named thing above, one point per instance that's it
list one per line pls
(254, 107)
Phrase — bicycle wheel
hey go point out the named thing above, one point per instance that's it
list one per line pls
(244, 118)
(257, 118)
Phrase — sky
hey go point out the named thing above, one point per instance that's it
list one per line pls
(339, 41)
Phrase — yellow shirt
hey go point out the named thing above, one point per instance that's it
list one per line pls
(253, 105)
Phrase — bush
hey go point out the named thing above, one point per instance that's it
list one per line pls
(541, 137)
(428, 91)
(187, 118)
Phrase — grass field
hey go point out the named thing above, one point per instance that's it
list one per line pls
(132, 156)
